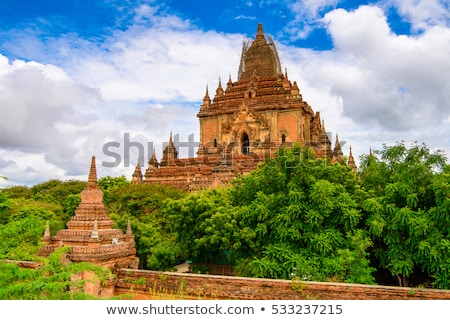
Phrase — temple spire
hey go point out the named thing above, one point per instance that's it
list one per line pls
(206, 99)
(351, 161)
(47, 236)
(219, 90)
(286, 82)
(338, 144)
(153, 165)
(137, 174)
(229, 83)
(129, 232)
(337, 151)
(170, 139)
(92, 183)
(260, 34)
(170, 153)
(322, 129)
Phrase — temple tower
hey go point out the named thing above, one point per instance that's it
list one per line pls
(259, 112)
(245, 122)
(90, 235)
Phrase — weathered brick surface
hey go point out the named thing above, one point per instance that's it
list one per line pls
(243, 124)
(225, 287)
(90, 235)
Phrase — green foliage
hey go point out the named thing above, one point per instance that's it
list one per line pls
(53, 280)
(19, 239)
(109, 184)
(61, 198)
(71, 203)
(407, 211)
(293, 213)
(6, 203)
(15, 192)
(142, 204)
(295, 217)
(204, 225)
(57, 191)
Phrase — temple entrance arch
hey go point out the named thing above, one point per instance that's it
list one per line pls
(245, 144)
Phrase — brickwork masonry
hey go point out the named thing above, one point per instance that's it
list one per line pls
(143, 284)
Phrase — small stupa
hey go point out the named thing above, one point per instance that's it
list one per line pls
(90, 235)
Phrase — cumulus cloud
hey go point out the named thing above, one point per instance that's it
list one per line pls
(35, 97)
(148, 80)
(143, 82)
(307, 17)
(145, 64)
(424, 13)
(398, 82)
(374, 86)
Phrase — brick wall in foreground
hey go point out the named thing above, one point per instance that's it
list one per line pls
(144, 284)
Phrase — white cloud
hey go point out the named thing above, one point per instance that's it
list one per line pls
(400, 82)
(33, 97)
(376, 86)
(424, 13)
(148, 80)
(307, 16)
(159, 64)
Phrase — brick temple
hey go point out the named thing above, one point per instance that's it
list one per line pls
(90, 233)
(243, 124)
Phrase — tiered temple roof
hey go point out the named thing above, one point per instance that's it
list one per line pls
(90, 233)
(244, 124)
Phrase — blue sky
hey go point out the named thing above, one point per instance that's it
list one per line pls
(77, 74)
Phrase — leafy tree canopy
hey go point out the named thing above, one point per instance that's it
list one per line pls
(407, 212)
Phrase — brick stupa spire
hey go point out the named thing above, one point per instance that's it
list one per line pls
(92, 183)
(90, 235)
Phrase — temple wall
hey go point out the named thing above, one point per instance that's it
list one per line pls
(143, 284)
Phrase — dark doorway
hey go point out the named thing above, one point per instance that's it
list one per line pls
(245, 144)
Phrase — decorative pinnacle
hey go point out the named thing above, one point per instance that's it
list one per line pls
(337, 141)
(137, 170)
(129, 232)
(92, 183)
(47, 231)
(154, 155)
(170, 139)
(260, 34)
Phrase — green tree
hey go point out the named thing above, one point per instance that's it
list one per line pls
(142, 205)
(205, 224)
(20, 239)
(294, 216)
(6, 203)
(407, 212)
(53, 280)
(109, 184)
(301, 213)
(16, 192)
(61, 198)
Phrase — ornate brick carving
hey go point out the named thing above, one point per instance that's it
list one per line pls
(245, 124)
(90, 235)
